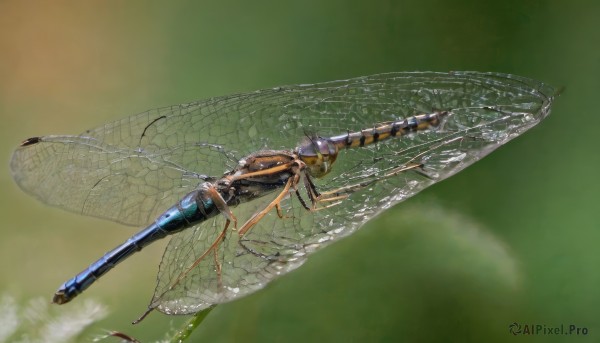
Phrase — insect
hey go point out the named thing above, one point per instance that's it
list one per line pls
(249, 185)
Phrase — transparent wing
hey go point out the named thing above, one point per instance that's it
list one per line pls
(88, 176)
(485, 111)
(188, 279)
(132, 169)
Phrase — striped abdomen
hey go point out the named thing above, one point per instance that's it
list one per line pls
(319, 153)
(388, 130)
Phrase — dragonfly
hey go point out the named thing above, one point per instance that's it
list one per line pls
(249, 185)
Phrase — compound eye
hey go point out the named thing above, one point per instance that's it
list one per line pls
(322, 147)
(318, 154)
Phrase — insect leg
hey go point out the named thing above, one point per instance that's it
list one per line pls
(259, 215)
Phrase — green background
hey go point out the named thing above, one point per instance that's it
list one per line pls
(512, 239)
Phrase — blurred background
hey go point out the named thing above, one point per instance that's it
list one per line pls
(513, 239)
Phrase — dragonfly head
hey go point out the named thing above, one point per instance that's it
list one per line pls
(318, 154)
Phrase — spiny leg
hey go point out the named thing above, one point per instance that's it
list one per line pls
(280, 211)
(311, 189)
(313, 195)
(268, 171)
(344, 192)
(259, 215)
(302, 202)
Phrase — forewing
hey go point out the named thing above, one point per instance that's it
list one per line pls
(92, 177)
(483, 114)
(133, 169)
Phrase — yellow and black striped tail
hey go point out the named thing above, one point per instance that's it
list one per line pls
(387, 130)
